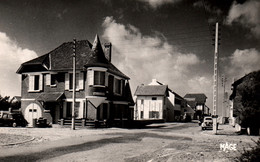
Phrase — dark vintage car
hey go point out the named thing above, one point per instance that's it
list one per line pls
(12, 119)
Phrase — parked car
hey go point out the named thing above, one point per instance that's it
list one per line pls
(207, 123)
(12, 119)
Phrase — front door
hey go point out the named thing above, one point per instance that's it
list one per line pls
(54, 109)
(102, 112)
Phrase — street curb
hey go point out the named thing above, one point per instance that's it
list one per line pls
(17, 143)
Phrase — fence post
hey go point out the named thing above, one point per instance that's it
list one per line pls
(62, 122)
(83, 122)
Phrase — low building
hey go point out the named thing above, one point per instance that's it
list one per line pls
(198, 103)
(157, 101)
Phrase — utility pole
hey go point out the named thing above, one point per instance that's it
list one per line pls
(74, 86)
(215, 84)
(223, 82)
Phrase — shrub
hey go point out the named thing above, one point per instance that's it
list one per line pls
(252, 155)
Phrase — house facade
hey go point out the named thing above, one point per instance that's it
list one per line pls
(157, 101)
(102, 91)
(197, 102)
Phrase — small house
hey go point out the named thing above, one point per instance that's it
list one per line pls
(157, 101)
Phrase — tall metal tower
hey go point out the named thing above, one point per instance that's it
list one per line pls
(215, 82)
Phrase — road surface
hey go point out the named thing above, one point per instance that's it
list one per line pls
(158, 142)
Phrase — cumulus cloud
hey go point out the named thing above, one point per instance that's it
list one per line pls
(11, 57)
(143, 58)
(247, 14)
(243, 62)
(157, 3)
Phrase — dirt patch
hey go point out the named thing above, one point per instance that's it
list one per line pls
(6, 139)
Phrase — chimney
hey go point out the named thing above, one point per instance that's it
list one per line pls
(108, 51)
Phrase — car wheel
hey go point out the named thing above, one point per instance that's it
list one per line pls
(14, 124)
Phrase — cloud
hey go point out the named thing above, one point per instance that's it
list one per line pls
(243, 62)
(11, 57)
(208, 6)
(143, 58)
(157, 3)
(247, 14)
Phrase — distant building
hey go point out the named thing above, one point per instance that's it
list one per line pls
(197, 102)
(157, 101)
(102, 91)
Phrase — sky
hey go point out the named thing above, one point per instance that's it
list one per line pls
(169, 40)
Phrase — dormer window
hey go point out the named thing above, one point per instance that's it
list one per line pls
(99, 78)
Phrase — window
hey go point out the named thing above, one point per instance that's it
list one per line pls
(99, 78)
(79, 81)
(154, 114)
(35, 83)
(154, 98)
(51, 80)
(117, 86)
(142, 114)
(142, 101)
(69, 109)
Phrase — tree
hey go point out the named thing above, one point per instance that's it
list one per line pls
(4, 103)
(246, 101)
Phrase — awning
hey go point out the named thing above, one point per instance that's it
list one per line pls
(96, 101)
(50, 97)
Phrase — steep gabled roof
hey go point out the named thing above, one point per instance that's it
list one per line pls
(199, 97)
(176, 95)
(152, 90)
(60, 59)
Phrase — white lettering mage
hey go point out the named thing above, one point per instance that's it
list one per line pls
(226, 147)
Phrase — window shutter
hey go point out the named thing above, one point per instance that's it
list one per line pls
(81, 81)
(31, 82)
(66, 81)
(123, 87)
(80, 113)
(48, 79)
(106, 79)
(41, 82)
(90, 77)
